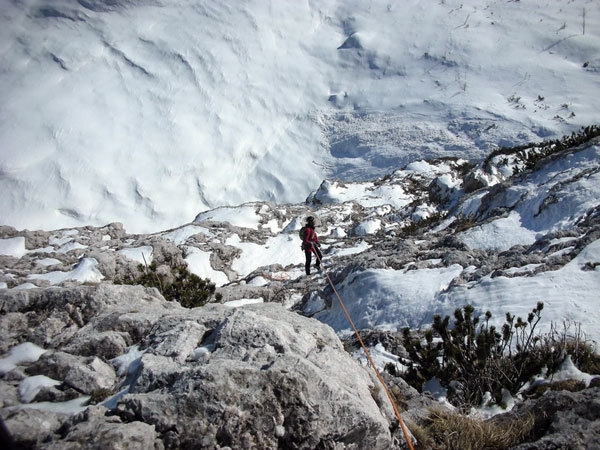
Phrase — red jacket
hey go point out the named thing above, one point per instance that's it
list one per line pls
(310, 236)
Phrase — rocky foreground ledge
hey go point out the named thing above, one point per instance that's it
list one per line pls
(215, 377)
(212, 377)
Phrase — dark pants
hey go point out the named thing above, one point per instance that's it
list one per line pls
(308, 255)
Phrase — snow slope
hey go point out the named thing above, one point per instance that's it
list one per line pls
(148, 112)
(531, 221)
(387, 299)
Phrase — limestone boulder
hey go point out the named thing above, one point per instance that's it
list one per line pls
(263, 377)
(28, 428)
(90, 377)
(256, 376)
(563, 419)
(93, 430)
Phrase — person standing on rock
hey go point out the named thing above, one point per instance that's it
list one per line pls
(310, 245)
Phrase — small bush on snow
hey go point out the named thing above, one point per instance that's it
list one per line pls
(175, 283)
(473, 357)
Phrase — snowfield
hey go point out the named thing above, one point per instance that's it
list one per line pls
(148, 113)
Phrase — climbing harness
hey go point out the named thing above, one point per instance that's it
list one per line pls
(369, 359)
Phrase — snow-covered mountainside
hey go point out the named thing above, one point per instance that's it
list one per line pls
(517, 228)
(520, 227)
(146, 112)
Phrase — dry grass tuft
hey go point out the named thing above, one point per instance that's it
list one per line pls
(452, 431)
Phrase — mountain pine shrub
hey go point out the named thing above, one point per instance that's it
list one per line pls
(474, 357)
(175, 283)
(532, 153)
(426, 222)
(99, 395)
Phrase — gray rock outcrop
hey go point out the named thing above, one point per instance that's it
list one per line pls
(259, 376)
(563, 420)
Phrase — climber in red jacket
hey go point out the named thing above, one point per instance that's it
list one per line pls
(310, 245)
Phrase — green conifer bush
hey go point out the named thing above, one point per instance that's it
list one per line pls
(175, 283)
(472, 357)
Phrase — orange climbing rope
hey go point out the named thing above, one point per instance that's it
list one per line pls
(368, 355)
